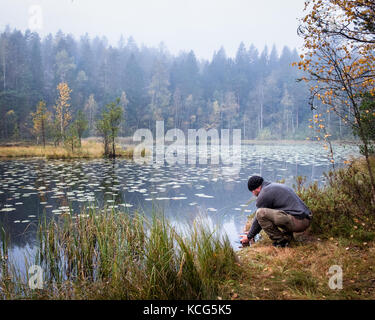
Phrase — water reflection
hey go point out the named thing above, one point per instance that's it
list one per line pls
(33, 187)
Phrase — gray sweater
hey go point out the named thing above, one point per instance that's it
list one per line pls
(279, 197)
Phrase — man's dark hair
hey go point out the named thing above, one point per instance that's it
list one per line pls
(254, 182)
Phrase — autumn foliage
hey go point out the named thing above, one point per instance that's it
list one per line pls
(339, 61)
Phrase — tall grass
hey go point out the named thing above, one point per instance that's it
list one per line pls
(112, 255)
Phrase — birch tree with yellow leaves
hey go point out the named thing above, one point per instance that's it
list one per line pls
(62, 107)
(339, 61)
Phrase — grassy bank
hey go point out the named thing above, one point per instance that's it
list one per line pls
(342, 234)
(302, 271)
(89, 149)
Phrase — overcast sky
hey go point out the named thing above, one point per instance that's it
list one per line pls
(201, 25)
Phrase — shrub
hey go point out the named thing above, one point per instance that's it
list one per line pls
(343, 206)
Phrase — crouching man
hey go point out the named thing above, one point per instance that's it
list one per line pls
(280, 212)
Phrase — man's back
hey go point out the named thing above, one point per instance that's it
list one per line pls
(281, 197)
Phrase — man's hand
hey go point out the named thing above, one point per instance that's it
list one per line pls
(245, 241)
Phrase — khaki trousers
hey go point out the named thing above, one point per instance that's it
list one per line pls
(272, 221)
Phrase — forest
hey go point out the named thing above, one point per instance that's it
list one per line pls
(255, 91)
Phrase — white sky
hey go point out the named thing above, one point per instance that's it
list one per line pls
(201, 25)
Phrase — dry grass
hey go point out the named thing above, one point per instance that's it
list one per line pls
(342, 234)
(89, 149)
(302, 270)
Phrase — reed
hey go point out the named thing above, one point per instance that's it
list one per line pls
(113, 255)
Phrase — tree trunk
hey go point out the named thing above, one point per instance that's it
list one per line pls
(367, 156)
(43, 135)
(261, 115)
(369, 169)
(4, 67)
(372, 181)
(297, 118)
(106, 151)
(4, 71)
(261, 106)
(113, 145)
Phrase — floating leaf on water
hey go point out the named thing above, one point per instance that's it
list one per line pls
(202, 195)
(198, 187)
(7, 209)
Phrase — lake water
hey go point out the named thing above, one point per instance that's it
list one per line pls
(31, 187)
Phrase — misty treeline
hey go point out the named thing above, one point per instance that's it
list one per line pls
(254, 91)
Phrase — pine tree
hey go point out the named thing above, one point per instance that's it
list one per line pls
(41, 118)
(90, 110)
(108, 127)
(124, 103)
(158, 91)
(80, 124)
